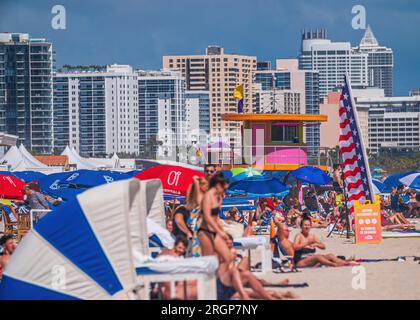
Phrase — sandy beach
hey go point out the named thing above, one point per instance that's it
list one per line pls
(384, 280)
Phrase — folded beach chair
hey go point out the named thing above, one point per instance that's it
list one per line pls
(82, 250)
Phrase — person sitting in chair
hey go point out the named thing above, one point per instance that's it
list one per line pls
(305, 246)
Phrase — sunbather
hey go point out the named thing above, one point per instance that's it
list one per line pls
(305, 246)
(246, 277)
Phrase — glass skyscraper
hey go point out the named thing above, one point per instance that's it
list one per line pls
(26, 105)
(161, 111)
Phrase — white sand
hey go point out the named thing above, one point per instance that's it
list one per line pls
(384, 280)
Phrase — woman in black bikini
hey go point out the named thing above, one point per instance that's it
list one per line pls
(211, 235)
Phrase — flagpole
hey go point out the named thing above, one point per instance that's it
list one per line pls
(362, 144)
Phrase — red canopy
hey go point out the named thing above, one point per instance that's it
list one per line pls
(175, 180)
(11, 187)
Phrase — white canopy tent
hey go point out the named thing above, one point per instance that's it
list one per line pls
(77, 160)
(107, 163)
(19, 159)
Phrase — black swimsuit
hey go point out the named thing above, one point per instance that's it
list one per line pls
(301, 254)
(214, 212)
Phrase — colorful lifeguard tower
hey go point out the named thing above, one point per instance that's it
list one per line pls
(276, 141)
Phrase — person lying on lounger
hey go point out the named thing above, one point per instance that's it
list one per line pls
(305, 246)
(240, 269)
(395, 221)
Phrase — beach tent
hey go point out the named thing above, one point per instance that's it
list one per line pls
(77, 160)
(81, 250)
(26, 154)
(108, 163)
(19, 159)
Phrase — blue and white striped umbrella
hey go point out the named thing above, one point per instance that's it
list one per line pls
(378, 186)
(81, 250)
(411, 180)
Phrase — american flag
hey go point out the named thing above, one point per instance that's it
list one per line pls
(356, 171)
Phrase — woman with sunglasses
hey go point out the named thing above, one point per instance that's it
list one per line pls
(211, 235)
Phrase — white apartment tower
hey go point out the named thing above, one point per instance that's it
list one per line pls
(96, 111)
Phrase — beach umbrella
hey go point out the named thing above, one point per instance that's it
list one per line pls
(241, 203)
(91, 178)
(227, 174)
(81, 250)
(11, 187)
(311, 175)
(378, 186)
(243, 173)
(394, 180)
(175, 179)
(411, 180)
(259, 186)
(29, 176)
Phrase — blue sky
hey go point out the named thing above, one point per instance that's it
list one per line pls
(139, 32)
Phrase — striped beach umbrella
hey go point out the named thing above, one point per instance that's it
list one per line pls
(81, 250)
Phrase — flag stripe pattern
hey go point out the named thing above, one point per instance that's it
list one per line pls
(355, 166)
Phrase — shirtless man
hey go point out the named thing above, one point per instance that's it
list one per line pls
(283, 235)
(305, 245)
(8, 246)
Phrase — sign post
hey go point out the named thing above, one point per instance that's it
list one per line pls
(367, 218)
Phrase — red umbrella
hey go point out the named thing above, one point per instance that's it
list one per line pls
(175, 179)
(11, 187)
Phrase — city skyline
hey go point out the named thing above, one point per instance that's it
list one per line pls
(127, 34)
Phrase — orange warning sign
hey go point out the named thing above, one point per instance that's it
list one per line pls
(367, 217)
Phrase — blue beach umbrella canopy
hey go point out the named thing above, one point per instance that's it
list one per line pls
(311, 175)
(92, 178)
(29, 176)
(394, 180)
(259, 186)
(81, 250)
(411, 180)
(50, 184)
(378, 186)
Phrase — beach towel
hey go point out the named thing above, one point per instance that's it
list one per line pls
(194, 222)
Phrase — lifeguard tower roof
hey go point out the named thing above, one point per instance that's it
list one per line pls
(274, 117)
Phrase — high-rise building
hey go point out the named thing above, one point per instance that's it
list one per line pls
(415, 92)
(263, 65)
(96, 112)
(332, 60)
(289, 90)
(26, 108)
(161, 112)
(380, 62)
(218, 73)
(197, 116)
(368, 65)
(385, 122)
